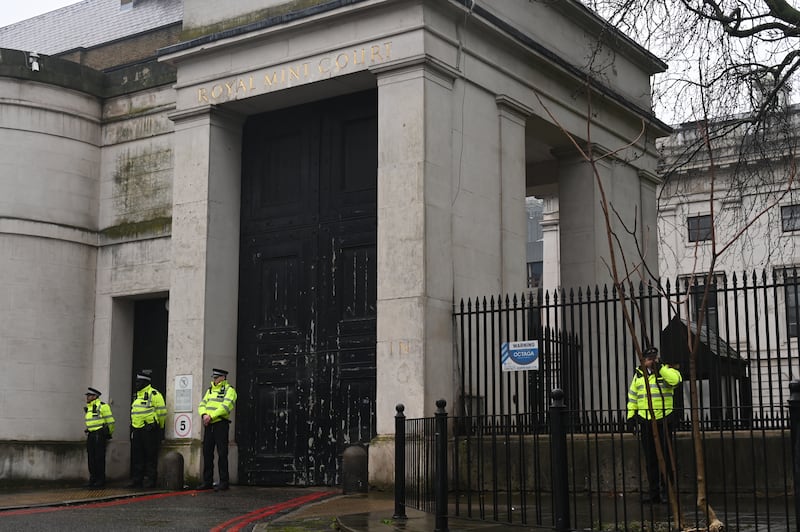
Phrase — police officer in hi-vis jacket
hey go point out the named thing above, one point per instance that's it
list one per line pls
(148, 415)
(215, 410)
(99, 428)
(662, 381)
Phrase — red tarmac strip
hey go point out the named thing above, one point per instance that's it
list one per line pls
(238, 523)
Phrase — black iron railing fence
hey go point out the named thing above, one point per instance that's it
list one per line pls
(560, 479)
(747, 350)
(514, 458)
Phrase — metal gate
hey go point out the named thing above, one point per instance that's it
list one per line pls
(306, 367)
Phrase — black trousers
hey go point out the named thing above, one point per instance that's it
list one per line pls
(96, 454)
(666, 429)
(216, 436)
(145, 443)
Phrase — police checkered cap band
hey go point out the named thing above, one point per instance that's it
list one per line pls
(142, 376)
(219, 373)
(93, 391)
(650, 352)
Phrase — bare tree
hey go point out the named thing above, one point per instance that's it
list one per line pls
(741, 54)
(731, 68)
(729, 86)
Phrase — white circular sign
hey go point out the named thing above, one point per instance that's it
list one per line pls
(183, 425)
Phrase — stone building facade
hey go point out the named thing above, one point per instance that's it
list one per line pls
(298, 192)
(731, 215)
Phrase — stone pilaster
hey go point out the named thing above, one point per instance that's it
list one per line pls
(205, 248)
(551, 273)
(513, 225)
(415, 276)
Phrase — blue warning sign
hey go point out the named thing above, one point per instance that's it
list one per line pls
(520, 356)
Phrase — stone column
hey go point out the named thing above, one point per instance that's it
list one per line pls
(513, 225)
(551, 273)
(648, 220)
(585, 256)
(205, 252)
(580, 222)
(415, 274)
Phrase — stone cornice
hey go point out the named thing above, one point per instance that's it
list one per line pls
(66, 233)
(426, 62)
(44, 229)
(213, 114)
(194, 113)
(512, 106)
(651, 177)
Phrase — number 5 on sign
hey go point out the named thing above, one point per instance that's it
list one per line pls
(183, 425)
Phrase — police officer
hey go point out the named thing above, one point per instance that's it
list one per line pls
(99, 428)
(662, 381)
(148, 415)
(215, 410)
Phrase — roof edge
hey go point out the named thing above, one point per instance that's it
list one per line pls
(74, 76)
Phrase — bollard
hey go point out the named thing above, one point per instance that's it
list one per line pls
(794, 417)
(399, 463)
(355, 470)
(440, 466)
(558, 450)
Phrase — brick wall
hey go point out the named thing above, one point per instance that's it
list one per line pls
(125, 51)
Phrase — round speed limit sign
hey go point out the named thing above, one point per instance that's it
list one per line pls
(183, 425)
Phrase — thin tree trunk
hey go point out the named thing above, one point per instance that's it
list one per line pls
(714, 524)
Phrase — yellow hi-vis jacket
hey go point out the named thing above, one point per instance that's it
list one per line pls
(148, 407)
(98, 415)
(662, 386)
(218, 401)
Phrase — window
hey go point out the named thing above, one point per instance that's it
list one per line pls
(535, 274)
(699, 228)
(791, 291)
(711, 316)
(790, 218)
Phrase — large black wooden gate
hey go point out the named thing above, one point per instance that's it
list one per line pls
(306, 368)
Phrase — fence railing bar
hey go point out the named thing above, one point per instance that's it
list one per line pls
(793, 286)
(488, 357)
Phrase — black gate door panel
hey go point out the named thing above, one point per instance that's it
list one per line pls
(273, 342)
(347, 330)
(307, 290)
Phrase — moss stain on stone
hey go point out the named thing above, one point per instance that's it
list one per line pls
(133, 111)
(141, 182)
(142, 199)
(157, 225)
(243, 20)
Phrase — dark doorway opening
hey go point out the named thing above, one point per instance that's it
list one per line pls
(150, 321)
(308, 290)
(150, 324)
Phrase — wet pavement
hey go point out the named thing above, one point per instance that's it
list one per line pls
(248, 508)
(120, 509)
(242, 508)
(372, 512)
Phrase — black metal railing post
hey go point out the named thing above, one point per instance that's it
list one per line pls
(399, 463)
(794, 416)
(558, 450)
(440, 467)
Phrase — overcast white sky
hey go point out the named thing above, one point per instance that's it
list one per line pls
(15, 11)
